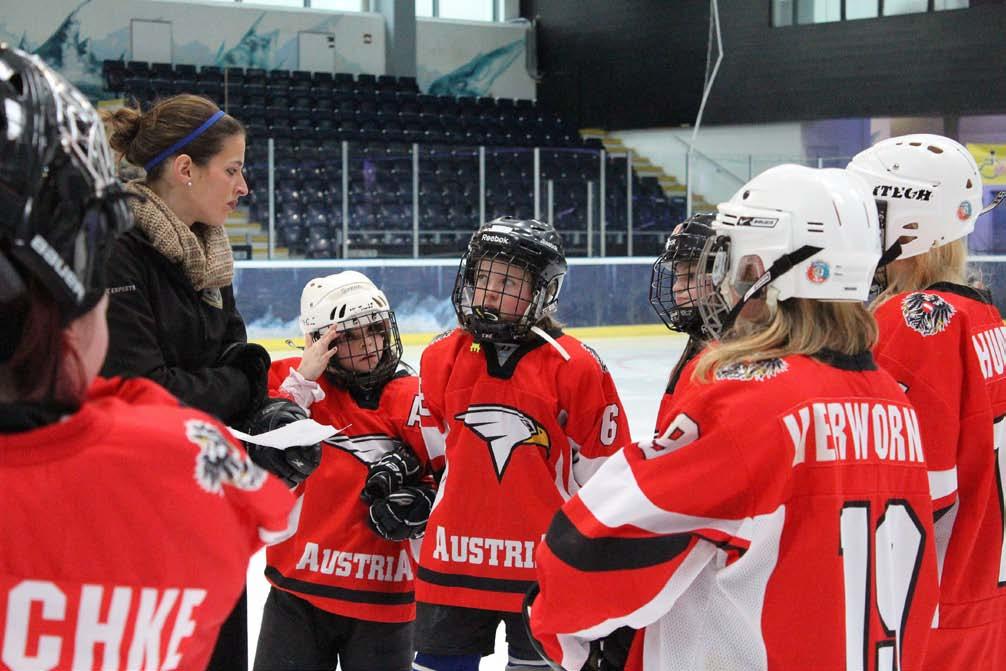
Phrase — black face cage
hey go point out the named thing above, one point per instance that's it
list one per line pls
(74, 207)
(381, 323)
(497, 277)
(676, 282)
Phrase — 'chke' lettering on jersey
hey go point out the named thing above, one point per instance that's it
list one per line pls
(335, 560)
(96, 626)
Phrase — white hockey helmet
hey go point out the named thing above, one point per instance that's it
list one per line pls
(928, 190)
(339, 299)
(349, 300)
(815, 231)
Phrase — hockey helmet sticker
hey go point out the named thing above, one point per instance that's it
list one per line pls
(818, 272)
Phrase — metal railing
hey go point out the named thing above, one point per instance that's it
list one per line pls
(353, 199)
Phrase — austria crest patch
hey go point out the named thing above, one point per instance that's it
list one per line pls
(758, 371)
(927, 314)
(219, 463)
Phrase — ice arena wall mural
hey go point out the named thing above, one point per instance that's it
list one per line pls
(453, 57)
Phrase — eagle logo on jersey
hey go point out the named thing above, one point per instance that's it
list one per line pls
(928, 314)
(504, 430)
(368, 449)
(758, 371)
(219, 463)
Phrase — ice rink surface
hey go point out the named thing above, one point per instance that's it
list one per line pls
(639, 365)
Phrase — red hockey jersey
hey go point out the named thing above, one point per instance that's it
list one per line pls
(126, 532)
(780, 521)
(519, 439)
(692, 349)
(335, 560)
(947, 346)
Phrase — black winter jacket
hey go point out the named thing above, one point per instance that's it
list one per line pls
(161, 328)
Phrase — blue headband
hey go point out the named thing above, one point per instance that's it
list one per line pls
(154, 162)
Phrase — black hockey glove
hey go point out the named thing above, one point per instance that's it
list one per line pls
(390, 473)
(253, 361)
(611, 652)
(293, 464)
(402, 514)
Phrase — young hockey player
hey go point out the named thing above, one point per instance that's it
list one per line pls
(944, 342)
(781, 519)
(524, 415)
(343, 584)
(675, 287)
(676, 284)
(128, 519)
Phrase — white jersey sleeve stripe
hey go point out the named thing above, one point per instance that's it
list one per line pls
(942, 483)
(616, 500)
(271, 537)
(646, 614)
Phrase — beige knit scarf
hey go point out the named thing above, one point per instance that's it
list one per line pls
(203, 251)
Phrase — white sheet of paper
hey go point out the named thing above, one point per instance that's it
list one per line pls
(301, 432)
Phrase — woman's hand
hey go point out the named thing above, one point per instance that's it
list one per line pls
(317, 354)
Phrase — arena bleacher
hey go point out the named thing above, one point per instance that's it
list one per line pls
(313, 117)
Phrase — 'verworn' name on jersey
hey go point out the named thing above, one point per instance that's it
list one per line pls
(475, 550)
(990, 346)
(362, 566)
(49, 627)
(854, 431)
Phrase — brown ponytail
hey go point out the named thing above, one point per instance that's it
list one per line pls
(141, 136)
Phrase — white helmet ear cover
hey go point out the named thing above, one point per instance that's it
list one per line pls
(929, 187)
(788, 210)
(340, 297)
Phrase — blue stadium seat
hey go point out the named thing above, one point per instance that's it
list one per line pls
(408, 84)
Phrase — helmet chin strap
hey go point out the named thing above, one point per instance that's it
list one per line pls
(781, 266)
(541, 333)
(893, 252)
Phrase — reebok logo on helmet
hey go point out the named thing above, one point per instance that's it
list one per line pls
(495, 238)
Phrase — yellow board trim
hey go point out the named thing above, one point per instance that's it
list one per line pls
(583, 333)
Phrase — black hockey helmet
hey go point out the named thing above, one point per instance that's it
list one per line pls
(61, 206)
(526, 257)
(674, 282)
